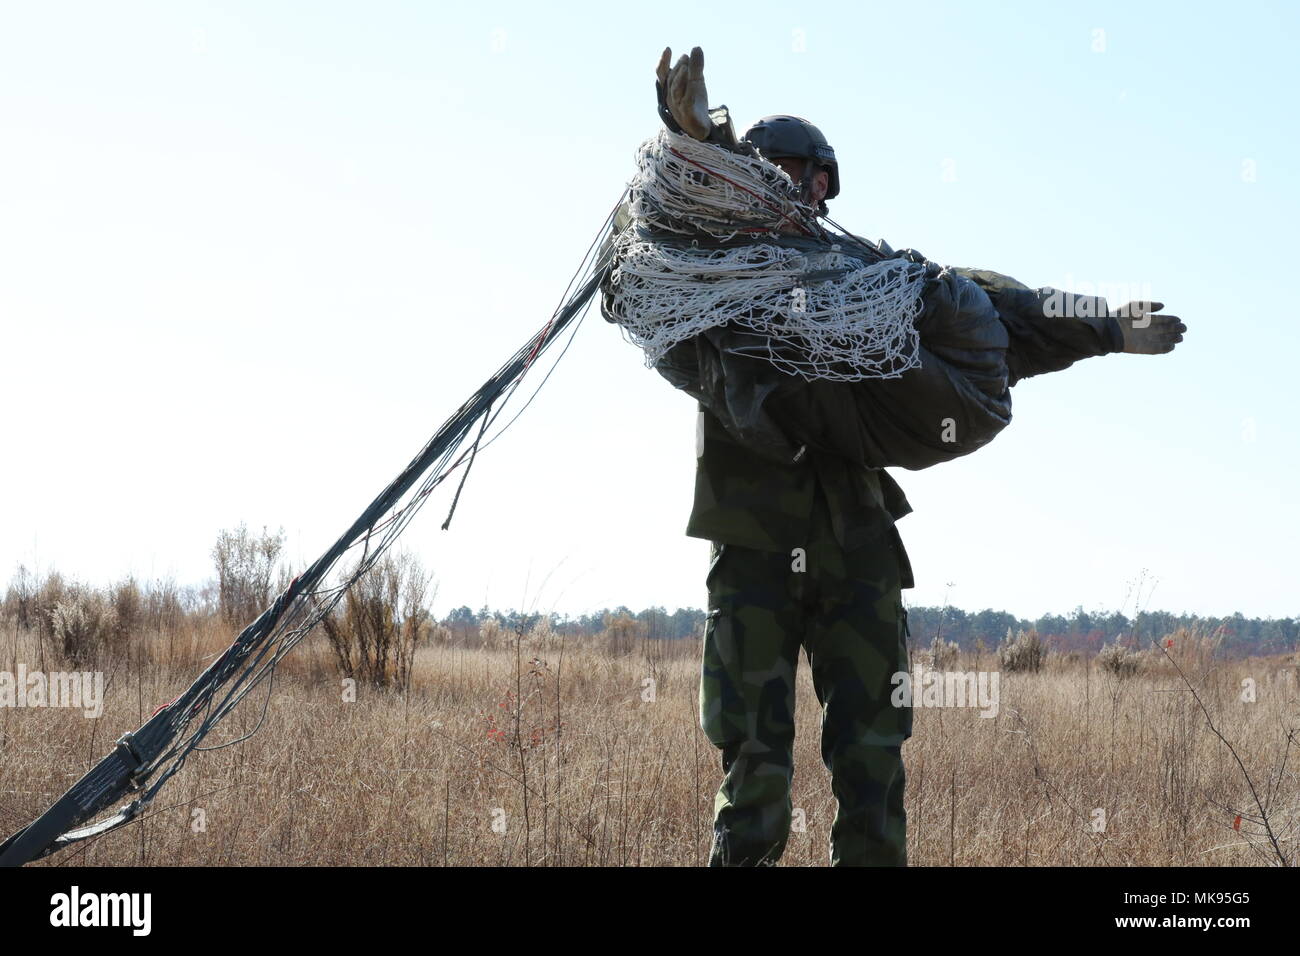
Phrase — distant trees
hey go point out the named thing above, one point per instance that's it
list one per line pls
(654, 623)
(245, 566)
(1079, 631)
(1082, 631)
(249, 573)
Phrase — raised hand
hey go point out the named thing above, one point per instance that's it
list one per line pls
(684, 92)
(1146, 333)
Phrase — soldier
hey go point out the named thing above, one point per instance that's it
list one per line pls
(790, 489)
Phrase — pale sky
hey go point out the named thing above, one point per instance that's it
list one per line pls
(253, 254)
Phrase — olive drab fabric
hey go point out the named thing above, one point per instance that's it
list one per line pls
(742, 498)
(980, 334)
(767, 439)
(843, 609)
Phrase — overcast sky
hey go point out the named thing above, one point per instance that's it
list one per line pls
(253, 254)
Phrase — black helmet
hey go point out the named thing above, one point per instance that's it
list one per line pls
(777, 137)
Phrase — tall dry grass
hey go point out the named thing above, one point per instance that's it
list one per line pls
(539, 750)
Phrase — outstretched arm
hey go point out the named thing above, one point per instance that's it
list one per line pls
(1050, 330)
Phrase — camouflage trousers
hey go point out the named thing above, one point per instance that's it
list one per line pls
(845, 611)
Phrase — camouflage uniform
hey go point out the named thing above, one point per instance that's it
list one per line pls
(845, 610)
(785, 464)
(758, 497)
(840, 600)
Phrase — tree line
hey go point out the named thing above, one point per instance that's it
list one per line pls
(1079, 631)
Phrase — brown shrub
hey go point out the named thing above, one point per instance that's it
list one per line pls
(1024, 652)
(382, 620)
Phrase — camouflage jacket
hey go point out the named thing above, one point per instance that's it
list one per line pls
(766, 439)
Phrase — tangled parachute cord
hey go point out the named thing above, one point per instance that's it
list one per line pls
(688, 187)
(143, 761)
(702, 251)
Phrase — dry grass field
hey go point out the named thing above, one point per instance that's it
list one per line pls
(542, 751)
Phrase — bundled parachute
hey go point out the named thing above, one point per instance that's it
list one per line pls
(795, 336)
(816, 310)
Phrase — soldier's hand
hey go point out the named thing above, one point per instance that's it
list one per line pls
(684, 91)
(1146, 333)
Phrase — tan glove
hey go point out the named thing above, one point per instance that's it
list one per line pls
(683, 88)
(1146, 333)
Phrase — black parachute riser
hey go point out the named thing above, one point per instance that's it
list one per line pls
(126, 768)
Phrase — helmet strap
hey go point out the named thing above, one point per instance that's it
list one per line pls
(805, 184)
